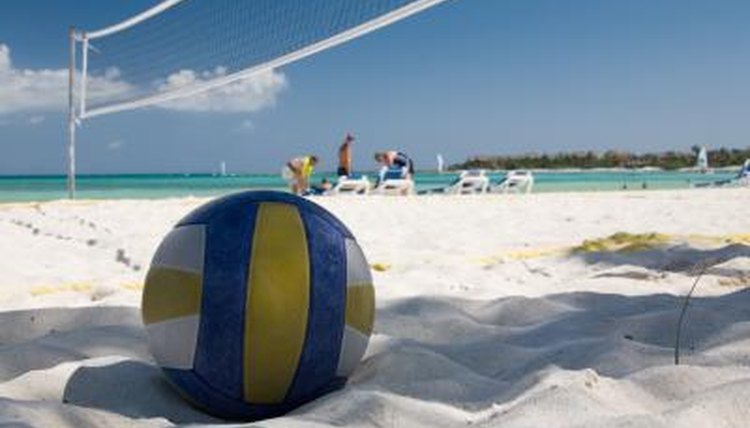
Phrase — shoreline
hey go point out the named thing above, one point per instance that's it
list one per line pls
(202, 187)
(317, 198)
(645, 169)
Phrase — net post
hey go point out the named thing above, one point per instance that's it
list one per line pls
(72, 117)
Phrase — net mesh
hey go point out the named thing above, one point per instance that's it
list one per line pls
(195, 42)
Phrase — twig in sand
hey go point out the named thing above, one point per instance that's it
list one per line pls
(703, 267)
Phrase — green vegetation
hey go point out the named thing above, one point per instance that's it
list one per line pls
(670, 160)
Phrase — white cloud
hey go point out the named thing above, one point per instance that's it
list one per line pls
(35, 120)
(107, 85)
(246, 95)
(115, 145)
(28, 90)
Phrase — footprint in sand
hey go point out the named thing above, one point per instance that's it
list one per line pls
(120, 257)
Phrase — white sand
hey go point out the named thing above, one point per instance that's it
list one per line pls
(484, 315)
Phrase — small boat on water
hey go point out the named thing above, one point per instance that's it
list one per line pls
(701, 162)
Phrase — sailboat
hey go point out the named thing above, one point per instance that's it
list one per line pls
(223, 169)
(440, 163)
(701, 163)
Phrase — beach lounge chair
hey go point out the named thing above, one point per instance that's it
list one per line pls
(514, 182)
(394, 182)
(351, 186)
(469, 182)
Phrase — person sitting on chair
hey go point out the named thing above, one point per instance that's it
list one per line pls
(323, 188)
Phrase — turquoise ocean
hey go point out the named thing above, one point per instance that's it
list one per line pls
(152, 186)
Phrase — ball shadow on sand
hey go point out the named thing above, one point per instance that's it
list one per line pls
(131, 388)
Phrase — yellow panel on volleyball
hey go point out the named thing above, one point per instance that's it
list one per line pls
(170, 293)
(277, 303)
(174, 283)
(360, 308)
(360, 293)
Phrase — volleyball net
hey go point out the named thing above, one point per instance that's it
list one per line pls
(181, 48)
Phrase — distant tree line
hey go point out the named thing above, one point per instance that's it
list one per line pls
(669, 160)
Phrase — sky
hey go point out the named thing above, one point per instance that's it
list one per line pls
(465, 78)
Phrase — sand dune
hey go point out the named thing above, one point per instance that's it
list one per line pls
(492, 311)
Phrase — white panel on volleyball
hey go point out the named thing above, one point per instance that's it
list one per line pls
(357, 269)
(183, 249)
(353, 347)
(173, 342)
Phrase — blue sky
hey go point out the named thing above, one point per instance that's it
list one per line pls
(467, 77)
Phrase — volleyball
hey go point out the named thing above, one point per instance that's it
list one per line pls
(257, 303)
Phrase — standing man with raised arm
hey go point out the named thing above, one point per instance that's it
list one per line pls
(345, 157)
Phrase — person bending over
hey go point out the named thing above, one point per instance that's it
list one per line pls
(392, 160)
(301, 168)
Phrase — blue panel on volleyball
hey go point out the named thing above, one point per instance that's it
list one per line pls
(327, 304)
(219, 353)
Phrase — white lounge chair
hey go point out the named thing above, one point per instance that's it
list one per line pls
(469, 182)
(514, 182)
(351, 186)
(394, 183)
